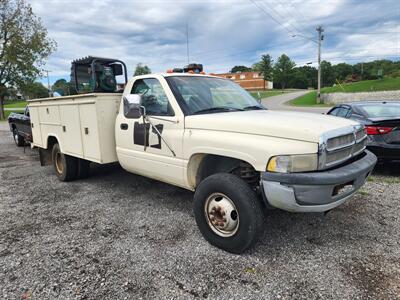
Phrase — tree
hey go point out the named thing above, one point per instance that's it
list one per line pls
(236, 69)
(63, 87)
(342, 70)
(328, 75)
(33, 89)
(24, 45)
(265, 67)
(298, 79)
(283, 70)
(310, 73)
(141, 70)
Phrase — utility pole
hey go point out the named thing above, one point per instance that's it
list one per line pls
(48, 83)
(320, 30)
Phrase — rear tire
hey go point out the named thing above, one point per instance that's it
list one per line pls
(228, 212)
(65, 166)
(18, 139)
(83, 168)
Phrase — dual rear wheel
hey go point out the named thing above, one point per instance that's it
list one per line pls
(68, 168)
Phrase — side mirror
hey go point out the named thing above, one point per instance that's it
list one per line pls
(132, 106)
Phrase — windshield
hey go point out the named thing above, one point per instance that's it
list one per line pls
(210, 95)
(382, 110)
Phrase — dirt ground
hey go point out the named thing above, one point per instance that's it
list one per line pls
(117, 235)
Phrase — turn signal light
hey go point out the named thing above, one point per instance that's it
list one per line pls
(375, 130)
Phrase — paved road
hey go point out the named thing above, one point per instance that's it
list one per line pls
(278, 103)
(4, 126)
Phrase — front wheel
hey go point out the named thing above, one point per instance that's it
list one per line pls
(228, 212)
(18, 139)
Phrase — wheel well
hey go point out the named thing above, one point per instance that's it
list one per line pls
(13, 126)
(203, 165)
(50, 142)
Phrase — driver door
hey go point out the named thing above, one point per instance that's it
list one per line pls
(152, 146)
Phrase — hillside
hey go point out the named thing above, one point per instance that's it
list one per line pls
(385, 84)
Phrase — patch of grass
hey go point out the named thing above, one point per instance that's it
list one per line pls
(385, 84)
(16, 104)
(8, 112)
(309, 99)
(266, 94)
(363, 193)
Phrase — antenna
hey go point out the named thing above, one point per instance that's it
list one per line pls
(187, 41)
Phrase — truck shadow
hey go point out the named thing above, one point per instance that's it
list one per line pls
(298, 232)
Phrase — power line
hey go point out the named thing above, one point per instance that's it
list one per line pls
(292, 33)
(292, 15)
(277, 13)
(271, 16)
(364, 33)
(270, 46)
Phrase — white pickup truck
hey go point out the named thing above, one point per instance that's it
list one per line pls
(208, 135)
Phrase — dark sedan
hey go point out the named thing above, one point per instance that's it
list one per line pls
(382, 124)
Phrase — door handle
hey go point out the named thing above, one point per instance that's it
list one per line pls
(124, 126)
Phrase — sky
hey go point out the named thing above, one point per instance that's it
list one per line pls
(221, 33)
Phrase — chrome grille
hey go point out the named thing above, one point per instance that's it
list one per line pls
(340, 142)
(339, 145)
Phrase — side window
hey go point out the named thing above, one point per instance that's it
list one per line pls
(343, 112)
(154, 98)
(349, 112)
(335, 111)
(356, 117)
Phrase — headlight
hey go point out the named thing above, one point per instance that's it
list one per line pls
(293, 163)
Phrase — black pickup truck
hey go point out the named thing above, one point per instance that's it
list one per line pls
(20, 126)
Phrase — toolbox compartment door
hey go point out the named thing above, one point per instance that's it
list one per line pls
(89, 132)
(35, 125)
(70, 130)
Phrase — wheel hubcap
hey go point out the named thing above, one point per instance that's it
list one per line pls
(16, 137)
(221, 215)
(59, 165)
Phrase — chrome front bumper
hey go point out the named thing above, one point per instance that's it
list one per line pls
(316, 191)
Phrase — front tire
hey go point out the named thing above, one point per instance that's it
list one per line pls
(65, 166)
(18, 139)
(228, 212)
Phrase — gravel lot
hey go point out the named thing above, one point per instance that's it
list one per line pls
(116, 235)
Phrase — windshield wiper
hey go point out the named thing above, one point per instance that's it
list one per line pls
(253, 107)
(217, 109)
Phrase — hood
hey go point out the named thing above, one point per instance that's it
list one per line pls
(283, 124)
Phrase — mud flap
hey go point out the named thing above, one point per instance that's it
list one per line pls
(45, 157)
